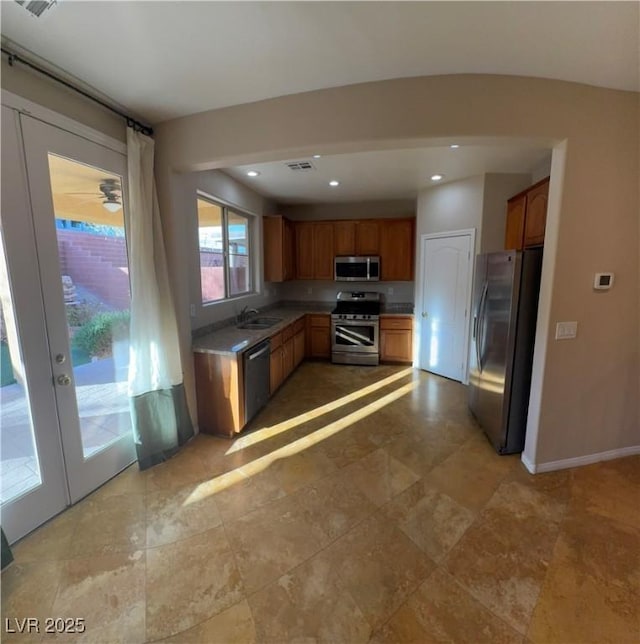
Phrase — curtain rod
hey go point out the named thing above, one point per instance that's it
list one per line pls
(131, 122)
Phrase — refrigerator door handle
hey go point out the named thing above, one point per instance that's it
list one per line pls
(480, 325)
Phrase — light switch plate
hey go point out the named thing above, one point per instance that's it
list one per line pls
(566, 330)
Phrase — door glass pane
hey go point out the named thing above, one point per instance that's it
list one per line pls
(95, 277)
(19, 461)
(238, 236)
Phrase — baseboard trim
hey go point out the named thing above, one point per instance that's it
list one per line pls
(589, 459)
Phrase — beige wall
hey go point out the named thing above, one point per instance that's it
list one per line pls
(45, 92)
(476, 202)
(587, 388)
(541, 170)
(351, 210)
(456, 205)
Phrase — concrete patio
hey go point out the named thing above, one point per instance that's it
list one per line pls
(103, 406)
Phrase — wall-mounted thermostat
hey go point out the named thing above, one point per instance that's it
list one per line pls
(603, 281)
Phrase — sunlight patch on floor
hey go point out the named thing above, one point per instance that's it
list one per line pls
(268, 432)
(225, 481)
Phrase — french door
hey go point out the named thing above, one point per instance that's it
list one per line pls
(64, 289)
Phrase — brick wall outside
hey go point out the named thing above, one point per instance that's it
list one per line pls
(97, 263)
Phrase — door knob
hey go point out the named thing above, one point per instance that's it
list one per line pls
(425, 314)
(60, 358)
(64, 379)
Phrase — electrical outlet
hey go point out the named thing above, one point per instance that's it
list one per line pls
(309, 291)
(192, 310)
(390, 290)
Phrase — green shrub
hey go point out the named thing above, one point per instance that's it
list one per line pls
(96, 336)
(80, 314)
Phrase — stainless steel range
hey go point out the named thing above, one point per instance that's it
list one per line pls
(355, 328)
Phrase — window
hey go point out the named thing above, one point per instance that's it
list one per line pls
(225, 251)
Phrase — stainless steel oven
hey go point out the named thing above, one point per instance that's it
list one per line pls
(355, 328)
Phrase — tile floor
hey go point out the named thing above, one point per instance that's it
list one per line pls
(365, 505)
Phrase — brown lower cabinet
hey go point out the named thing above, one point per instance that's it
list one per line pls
(318, 335)
(219, 392)
(220, 379)
(276, 371)
(396, 339)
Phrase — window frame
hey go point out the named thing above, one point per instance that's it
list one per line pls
(250, 218)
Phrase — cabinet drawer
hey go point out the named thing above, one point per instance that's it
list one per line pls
(321, 321)
(287, 333)
(298, 325)
(396, 322)
(276, 341)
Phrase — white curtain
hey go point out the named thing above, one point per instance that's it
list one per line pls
(160, 416)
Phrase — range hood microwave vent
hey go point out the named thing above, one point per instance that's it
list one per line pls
(300, 166)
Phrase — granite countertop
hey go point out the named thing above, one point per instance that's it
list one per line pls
(230, 340)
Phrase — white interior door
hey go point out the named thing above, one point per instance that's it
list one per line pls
(446, 276)
(67, 289)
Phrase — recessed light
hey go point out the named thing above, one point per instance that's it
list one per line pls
(454, 146)
(436, 177)
(317, 156)
(253, 173)
(333, 183)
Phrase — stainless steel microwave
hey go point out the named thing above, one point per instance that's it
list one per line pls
(357, 269)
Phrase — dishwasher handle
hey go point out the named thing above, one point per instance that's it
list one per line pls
(257, 354)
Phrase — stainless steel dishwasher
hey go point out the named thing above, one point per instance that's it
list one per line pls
(256, 379)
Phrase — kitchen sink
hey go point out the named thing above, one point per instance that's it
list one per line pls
(259, 323)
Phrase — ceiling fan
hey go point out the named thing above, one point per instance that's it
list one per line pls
(110, 192)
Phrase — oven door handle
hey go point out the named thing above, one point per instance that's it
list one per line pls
(371, 323)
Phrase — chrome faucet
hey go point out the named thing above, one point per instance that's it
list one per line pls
(245, 313)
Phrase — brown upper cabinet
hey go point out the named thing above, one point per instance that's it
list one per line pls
(278, 249)
(356, 237)
(318, 242)
(314, 250)
(368, 237)
(396, 249)
(527, 217)
(344, 238)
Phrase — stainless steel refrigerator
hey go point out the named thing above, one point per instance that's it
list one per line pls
(505, 307)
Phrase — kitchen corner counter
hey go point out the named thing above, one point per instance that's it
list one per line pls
(231, 340)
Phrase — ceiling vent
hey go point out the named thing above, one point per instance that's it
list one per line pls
(300, 166)
(36, 7)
